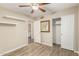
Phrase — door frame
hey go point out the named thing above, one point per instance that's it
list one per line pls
(75, 40)
(31, 30)
(54, 20)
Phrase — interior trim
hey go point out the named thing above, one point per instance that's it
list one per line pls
(13, 50)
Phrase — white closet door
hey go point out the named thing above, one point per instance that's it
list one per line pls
(67, 30)
(37, 37)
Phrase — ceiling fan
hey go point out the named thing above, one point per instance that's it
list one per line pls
(35, 6)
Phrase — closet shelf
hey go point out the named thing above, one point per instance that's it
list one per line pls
(5, 23)
(14, 18)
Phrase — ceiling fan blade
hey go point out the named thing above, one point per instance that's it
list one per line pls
(42, 17)
(42, 9)
(32, 11)
(24, 5)
(43, 3)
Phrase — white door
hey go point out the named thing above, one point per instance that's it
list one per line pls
(67, 30)
(37, 37)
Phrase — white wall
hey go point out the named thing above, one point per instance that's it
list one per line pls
(37, 33)
(46, 37)
(12, 37)
(67, 30)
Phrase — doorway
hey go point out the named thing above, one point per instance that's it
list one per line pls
(63, 32)
(57, 32)
(30, 39)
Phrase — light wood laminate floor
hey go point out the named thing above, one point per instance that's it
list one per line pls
(36, 49)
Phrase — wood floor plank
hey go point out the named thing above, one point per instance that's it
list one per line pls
(36, 49)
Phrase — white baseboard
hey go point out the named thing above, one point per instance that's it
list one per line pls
(46, 44)
(12, 50)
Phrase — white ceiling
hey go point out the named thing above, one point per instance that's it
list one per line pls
(50, 8)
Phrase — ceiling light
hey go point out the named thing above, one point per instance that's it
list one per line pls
(35, 7)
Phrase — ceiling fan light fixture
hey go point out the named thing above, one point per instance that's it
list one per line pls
(35, 7)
